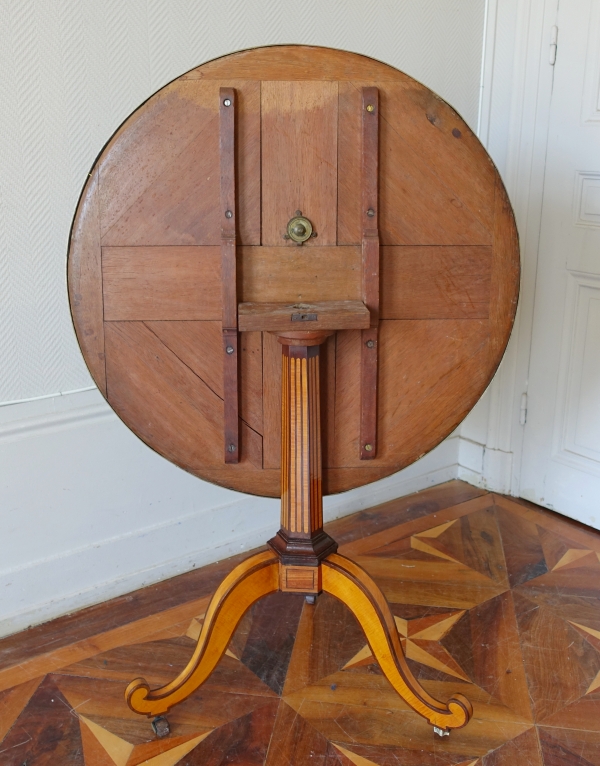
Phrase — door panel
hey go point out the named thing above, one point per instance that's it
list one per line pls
(561, 457)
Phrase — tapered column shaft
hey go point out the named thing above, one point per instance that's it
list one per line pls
(301, 539)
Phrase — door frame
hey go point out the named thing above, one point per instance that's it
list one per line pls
(516, 90)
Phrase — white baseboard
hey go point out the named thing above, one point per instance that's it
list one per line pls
(484, 467)
(92, 513)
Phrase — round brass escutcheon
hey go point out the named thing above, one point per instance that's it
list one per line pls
(299, 229)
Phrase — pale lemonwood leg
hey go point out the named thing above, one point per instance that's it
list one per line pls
(350, 583)
(249, 581)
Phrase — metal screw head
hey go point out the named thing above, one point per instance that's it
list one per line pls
(370, 212)
(231, 448)
(368, 447)
(228, 214)
(229, 350)
(370, 108)
(370, 344)
(227, 102)
(298, 212)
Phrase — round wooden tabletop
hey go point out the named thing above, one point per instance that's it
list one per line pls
(144, 262)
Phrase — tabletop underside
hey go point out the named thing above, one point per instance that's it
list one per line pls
(144, 262)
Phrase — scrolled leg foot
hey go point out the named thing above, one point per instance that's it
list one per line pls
(249, 581)
(350, 583)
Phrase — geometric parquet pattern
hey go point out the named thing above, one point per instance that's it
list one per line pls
(493, 597)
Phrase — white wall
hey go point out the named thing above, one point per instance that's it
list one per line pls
(87, 510)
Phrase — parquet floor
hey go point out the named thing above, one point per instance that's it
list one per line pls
(493, 597)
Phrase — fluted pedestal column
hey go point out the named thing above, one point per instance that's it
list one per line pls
(301, 543)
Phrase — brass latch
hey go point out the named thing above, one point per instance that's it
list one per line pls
(299, 229)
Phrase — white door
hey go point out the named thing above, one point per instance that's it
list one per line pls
(561, 455)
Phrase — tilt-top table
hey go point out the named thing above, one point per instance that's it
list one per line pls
(294, 271)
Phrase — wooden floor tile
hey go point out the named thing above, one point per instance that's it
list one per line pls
(45, 733)
(295, 742)
(524, 749)
(49, 661)
(12, 703)
(569, 747)
(245, 740)
(492, 597)
(560, 663)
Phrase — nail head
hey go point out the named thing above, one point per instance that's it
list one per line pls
(370, 212)
(370, 344)
(370, 108)
(228, 214)
(231, 448)
(227, 102)
(229, 349)
(368, 447)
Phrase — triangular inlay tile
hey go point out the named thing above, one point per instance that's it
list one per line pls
(356, 759)
(118, 749)
(12, 703)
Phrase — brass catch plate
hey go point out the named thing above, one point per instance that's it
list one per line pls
(299, 229)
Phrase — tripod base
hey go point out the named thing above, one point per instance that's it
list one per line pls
(257, 577)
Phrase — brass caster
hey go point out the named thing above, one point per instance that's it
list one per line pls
(161, 726)
(441, 732)
(311, 598)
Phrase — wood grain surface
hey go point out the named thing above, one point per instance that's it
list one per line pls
(322, 315)
(490, 596)
(145, 278)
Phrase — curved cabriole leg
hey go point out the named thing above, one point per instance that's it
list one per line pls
(256, 577)
(350, 583)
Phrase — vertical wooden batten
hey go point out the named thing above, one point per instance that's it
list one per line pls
(370, 269)
(229, 275)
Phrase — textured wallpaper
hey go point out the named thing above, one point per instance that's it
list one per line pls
(72, 70)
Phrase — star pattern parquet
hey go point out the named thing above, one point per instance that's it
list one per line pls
(492, 597)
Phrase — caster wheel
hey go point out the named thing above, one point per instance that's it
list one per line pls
(312, 599)
(440, 732)
(161, 727)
